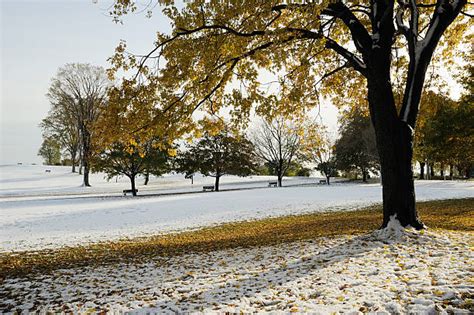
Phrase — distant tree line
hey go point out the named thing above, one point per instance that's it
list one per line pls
(82, 115)
(444, 141)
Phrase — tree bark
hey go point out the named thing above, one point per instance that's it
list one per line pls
(422, 170)
(432, 172)
(86, 174)
(216, 184)
(442, 170)
(132, 182)
(147, 178)
(85, 163)
(364, 176)
(280, 177)
(327, 179)
(73, 161)
(394, 139)
(86, 155)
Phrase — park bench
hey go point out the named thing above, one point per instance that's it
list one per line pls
(209, 187)
(47, 171)
(322, 182)
(129, 191)
(272, 183)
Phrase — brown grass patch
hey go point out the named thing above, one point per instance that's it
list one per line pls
(454, 214)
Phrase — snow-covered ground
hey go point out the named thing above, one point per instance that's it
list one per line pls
(34, 181)
(47, 210)
(397, 272)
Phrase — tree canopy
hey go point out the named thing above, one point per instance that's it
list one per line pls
(216, 155)
(355, 150)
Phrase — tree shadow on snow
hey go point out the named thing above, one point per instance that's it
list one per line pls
(250, 286)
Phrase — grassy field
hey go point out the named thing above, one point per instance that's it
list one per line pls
(454, 214)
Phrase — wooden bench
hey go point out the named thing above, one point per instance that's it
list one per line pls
(322, 182)
(127, 191)
(272, 183)
(209, 187)
(47, 171)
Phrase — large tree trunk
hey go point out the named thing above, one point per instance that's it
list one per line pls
(393, 129)
(422, 170)
(394, 140)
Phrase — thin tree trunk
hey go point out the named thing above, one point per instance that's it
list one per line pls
(451, 171)
(432, 172)
(80, 164)
(86, 154)
(428, 170)
(86, 174)
(327, 179)
(364, 176)
(73, 161)
(442, 170)
(280, 177)
(132, 181)
(216, 184)
(147, 178)
(422, 170)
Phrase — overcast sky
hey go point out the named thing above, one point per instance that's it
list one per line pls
(37, 37)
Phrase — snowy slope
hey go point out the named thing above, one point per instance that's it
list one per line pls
(50, 217)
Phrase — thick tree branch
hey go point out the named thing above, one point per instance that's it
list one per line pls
(353, 60)
(359, 33)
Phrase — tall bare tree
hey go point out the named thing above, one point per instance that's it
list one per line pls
(80, 90)
(277, 143)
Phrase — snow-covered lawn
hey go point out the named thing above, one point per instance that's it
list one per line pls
(382, 272)
(37, 209)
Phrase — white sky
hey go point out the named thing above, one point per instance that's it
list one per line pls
(37, 37)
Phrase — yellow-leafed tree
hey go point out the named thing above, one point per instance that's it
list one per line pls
(349, 50)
